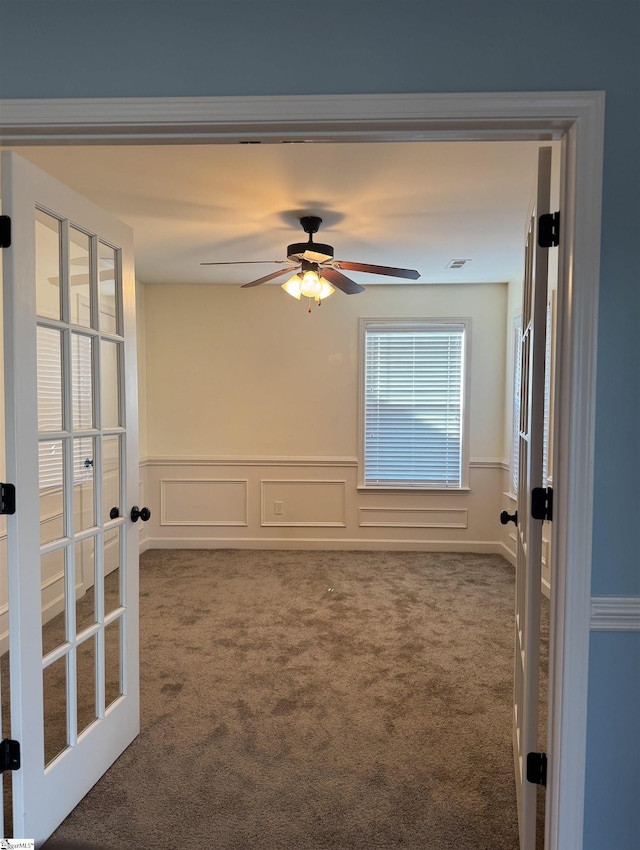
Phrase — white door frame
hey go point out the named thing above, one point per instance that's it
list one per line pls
(575, 117)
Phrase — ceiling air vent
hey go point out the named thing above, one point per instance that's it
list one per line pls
(456, 264)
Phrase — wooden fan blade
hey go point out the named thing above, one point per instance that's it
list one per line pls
(243, 262)
(410, 274)
(269, 277)
(341, 282)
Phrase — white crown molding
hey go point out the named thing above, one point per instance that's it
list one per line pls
(615, 614)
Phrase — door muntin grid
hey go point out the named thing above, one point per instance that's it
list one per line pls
(82, 463)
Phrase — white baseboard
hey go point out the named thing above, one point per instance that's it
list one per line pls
(389, 545)
(508, 553)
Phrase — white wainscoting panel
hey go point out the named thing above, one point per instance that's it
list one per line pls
(213, 501)
(388, 517)
(312, 504)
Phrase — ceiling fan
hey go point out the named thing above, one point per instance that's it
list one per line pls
(317, 272)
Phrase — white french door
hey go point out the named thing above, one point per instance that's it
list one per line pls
(72, 453)
(529, 530)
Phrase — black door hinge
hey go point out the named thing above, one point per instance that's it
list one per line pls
(542, 503)
(5, 231)
(549, 230)
(7, 499)
(9, 755)
(537, 768)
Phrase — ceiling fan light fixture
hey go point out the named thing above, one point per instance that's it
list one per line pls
(321, 290)
(325, 291)
(292, 286)
(311, 285)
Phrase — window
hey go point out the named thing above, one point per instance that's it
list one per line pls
(413, 403)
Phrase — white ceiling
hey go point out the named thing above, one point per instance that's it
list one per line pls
(409, 204)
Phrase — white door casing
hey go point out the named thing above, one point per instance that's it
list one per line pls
(529, 530)
(577, 117)
(54, 776)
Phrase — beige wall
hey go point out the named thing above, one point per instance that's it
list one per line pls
(251, 400)
(250, 373)
(142, 369)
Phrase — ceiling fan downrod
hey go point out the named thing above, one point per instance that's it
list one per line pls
(310, 250)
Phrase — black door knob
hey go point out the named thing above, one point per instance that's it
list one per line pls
(506, 517)
(140, 513)
(114, 513)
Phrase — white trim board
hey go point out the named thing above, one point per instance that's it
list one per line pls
(361, 118)
(241, 460)
(193, 460)
(329, 543)
(575, 117)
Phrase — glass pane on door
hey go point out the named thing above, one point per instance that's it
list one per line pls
(48, 266)
(86, 683)
(82, 381)
(110, 383)
(52, 504)
(80, 270)
(54, 681)
(109, 288)
(86, 603)
(112, 662)
(112, 574)
(83, 483)
(49, 359)
(111, 497)
(53, 584)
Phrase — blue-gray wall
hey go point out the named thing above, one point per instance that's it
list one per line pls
(107, 48)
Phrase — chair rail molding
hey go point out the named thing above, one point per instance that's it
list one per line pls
(615, 613)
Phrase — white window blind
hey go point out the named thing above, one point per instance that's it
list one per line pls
(413, 405)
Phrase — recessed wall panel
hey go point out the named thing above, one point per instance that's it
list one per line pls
(413, 517)
(306, 503)
(204, 502)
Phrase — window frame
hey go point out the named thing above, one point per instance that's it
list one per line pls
(419, 324)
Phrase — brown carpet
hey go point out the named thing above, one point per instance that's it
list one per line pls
(315, 700)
